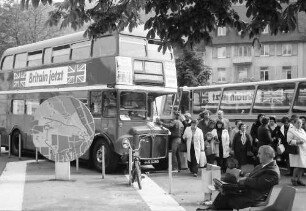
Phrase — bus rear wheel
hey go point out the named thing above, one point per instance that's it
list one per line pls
(111, 158)
(15, 143)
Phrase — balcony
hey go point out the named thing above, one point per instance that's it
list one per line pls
(242, 60)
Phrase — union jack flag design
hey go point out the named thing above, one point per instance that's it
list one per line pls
(76, 74)
(19, 79)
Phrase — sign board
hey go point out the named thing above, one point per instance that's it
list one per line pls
(63, 129)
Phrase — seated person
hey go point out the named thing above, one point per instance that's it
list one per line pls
(232, 172)
(258, 183)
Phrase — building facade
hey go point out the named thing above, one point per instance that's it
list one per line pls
(234, 59)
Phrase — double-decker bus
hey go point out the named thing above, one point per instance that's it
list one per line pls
(120, 76)
(246, 100)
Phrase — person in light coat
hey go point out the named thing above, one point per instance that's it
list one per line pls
(195, 146)
(297, 136)
(222, 144)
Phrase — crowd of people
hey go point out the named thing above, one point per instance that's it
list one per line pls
(220, 142)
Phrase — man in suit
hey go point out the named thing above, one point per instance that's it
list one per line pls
(259, 182)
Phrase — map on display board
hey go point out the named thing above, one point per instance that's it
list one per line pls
(63, 129)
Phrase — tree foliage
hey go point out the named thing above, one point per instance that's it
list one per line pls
(20, 27)
(183, 22)
(191, 70)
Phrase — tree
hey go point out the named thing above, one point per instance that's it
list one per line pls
(191, 70)
(20, 27)
(182, 22)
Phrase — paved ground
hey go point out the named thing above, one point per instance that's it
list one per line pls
(38, 190)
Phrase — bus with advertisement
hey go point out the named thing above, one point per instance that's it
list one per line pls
(120, 76)
(246, 100)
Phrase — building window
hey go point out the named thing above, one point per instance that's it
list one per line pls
(222, 52)
(242, 73)
(288, 71)
(287, 49)
(264, 74)
(221, 75)
(243, 51)
(221, 31)
(266, 30)
(264, 50)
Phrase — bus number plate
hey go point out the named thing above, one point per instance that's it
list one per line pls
(151, 161)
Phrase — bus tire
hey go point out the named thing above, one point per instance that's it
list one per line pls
(162, 165)
(111, 158)
(15, 143)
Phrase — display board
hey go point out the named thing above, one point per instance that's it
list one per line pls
(63, 128)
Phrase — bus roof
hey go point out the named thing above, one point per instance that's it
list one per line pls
(70, 38)
(230, 85)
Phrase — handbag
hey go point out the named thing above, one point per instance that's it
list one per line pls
(280, 149)
(292, 149)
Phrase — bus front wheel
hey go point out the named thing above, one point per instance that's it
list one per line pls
(111, 158)
(15, 143)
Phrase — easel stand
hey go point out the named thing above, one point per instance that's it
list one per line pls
(62, 170)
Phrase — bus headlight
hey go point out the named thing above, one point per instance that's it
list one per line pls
(125, 143)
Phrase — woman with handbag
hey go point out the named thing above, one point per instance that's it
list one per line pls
(195, 146)
(297, 137)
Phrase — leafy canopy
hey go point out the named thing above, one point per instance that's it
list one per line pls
(191, 70)
(183, 22)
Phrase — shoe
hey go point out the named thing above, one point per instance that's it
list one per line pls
(195, 174)
(299, 182)
(204, 208)
(175, 171)
(294, 182)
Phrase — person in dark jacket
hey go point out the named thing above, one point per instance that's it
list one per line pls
(264, 134)
(253, 133)
(176, 128)
(241, 145)
(275, 132)
(206, 124)
(259, 182)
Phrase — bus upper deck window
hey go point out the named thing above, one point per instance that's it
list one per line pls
(35, 58)
(61, 54)
(104, 46)
(7, 63)
(20, 60)
(81, 50)
(47, 56)
(131, 46)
